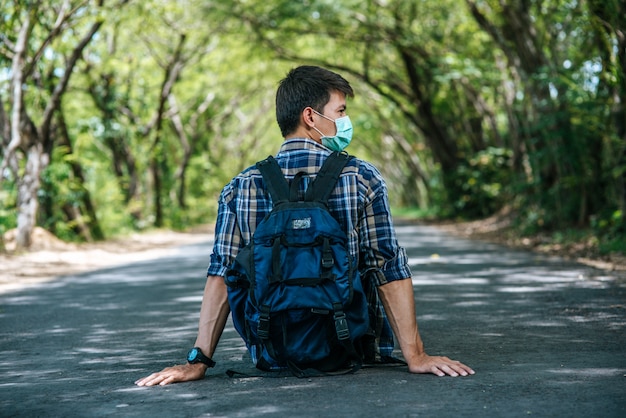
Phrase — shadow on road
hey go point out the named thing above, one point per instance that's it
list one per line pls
(545, 336)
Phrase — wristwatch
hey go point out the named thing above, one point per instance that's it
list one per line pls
(195, 355)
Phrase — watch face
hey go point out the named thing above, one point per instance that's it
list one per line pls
(191, 356)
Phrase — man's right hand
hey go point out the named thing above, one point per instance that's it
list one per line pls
(174, 374)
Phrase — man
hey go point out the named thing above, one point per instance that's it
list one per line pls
(311, 113)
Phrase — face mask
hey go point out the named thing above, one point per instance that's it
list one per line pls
(343, 136)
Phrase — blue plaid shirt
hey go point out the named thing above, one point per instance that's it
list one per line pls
(359, 203)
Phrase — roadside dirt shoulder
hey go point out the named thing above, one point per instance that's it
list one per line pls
(496, 229)
(50, 257)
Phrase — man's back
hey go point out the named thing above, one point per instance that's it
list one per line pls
(359, 203)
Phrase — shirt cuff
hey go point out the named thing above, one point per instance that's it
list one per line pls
(216, 268)
(395, 269)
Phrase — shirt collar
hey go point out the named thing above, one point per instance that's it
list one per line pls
(299, 144)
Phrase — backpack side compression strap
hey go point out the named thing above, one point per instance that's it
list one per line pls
(274, 180)
(325, 181)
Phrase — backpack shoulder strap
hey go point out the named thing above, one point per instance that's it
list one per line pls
(274, 180)
(326, 179)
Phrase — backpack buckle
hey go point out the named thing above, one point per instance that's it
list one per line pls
(263, 329)
(341, 326)
(327, 260)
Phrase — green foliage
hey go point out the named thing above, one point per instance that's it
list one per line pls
(484, 179)
(610, 245)
(464, 106)
(8, 220)
(612, 228)
(415, 213)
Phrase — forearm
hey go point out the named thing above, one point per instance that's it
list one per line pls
(213, 315)
(398, 299)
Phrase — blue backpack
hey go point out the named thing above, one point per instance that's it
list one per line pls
(295, 292)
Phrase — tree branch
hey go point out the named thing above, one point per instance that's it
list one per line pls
(61, 86)
(61, 20)
(17, 71)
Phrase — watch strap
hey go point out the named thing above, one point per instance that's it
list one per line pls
(199, 357)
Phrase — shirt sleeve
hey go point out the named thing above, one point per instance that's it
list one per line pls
(382, 259)
(227, 235)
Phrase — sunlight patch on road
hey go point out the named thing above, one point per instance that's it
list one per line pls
(524, 289)
(448, 281)
(194, 299)
(589, 372)
(471, 303)
(546, 323)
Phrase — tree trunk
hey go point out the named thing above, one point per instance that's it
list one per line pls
(104, 94)
(87, 225)
(444, 148)
(28, 183)
(187, 149)
(27, 188)
(157, 159)
(35, 141)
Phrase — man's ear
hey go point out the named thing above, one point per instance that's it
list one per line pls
(307, 117)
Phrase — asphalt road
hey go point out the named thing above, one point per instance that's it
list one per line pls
(545, 336)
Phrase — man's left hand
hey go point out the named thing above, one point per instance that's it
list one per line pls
(439, 365)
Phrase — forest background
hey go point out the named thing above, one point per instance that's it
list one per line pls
(122, 115)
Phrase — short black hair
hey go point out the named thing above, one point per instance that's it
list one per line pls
(302, 87)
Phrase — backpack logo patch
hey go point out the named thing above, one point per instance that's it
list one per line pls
(304, 223)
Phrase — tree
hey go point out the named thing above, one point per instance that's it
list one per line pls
(456, 74)
(560, 106)
(172, 106)
(135, 114)
(34, 32)
(608, 24)
(413, 55)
